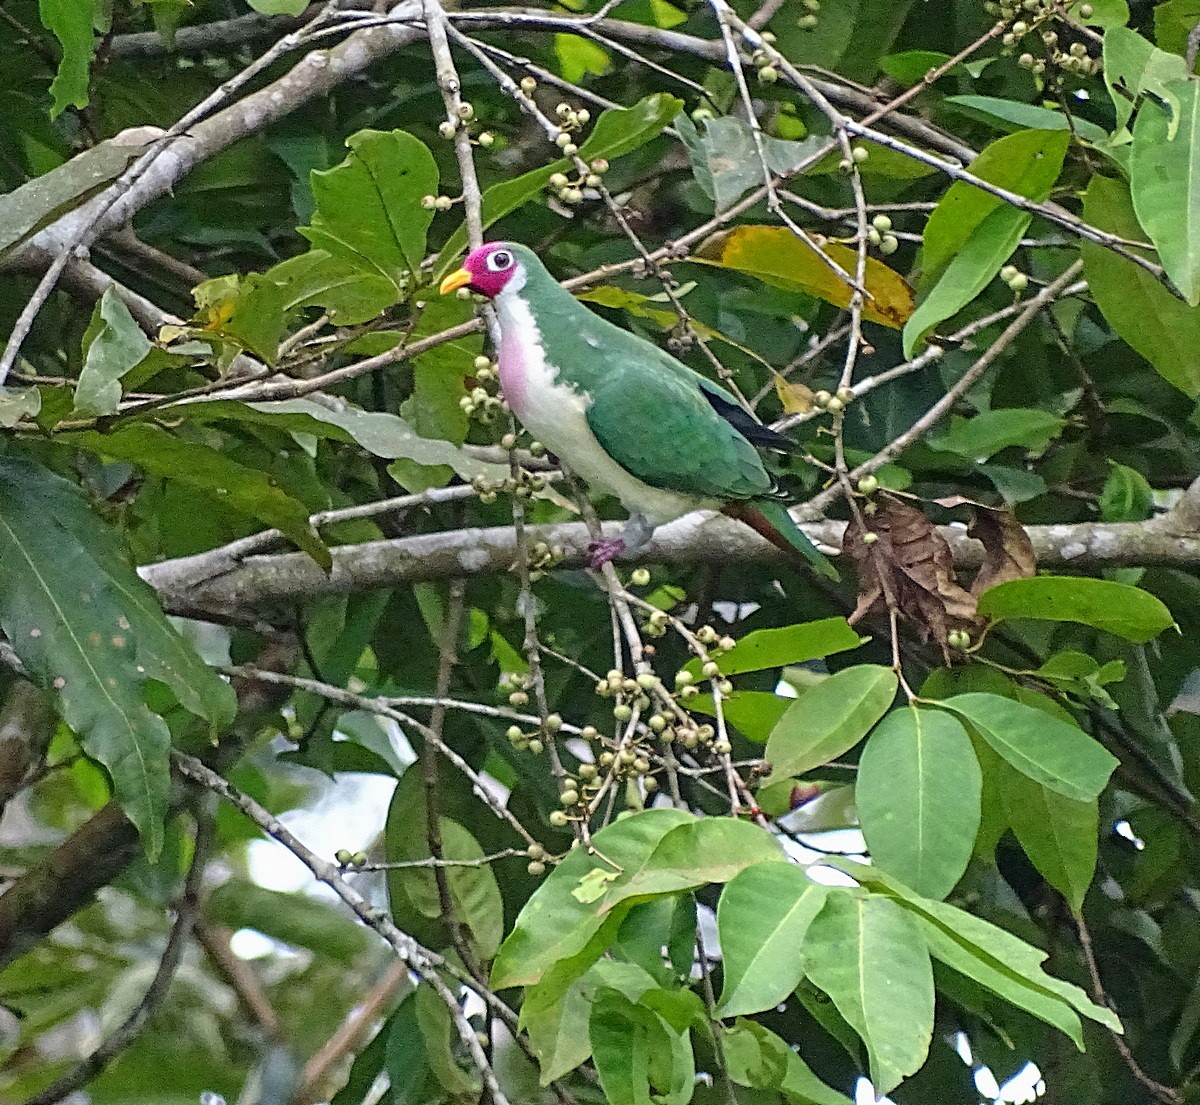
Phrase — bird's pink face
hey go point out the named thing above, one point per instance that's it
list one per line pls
(486, 270)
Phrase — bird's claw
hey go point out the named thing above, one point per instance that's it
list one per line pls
(603, 550)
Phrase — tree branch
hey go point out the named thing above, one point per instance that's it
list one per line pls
(211, 585)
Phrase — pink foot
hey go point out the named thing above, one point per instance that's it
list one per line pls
(603, 550)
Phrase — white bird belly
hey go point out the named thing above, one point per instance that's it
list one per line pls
(556, 415)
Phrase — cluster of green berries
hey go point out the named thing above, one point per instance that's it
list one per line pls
(809, 19)
(570, 189)
(537, 860)
(761, 60)
(350, 859)
(479, 402)
(880, 235)
(959, 638)
(1025, 17)
(858, 154)
(1014, 278)
(543, 557)
(524, 485)
(835, 402)
(571, 121)
(464, 117)
(1075, 60)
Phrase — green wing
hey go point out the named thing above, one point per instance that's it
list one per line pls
(655, 422)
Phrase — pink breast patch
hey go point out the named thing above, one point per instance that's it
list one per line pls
(513, 372)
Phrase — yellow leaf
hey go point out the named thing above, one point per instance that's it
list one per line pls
(796, 398)
(778, 257)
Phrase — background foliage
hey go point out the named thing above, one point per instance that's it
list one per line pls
(702, 828)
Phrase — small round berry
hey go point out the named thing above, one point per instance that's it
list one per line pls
(639, 577)
(569, 797)
(1019, 282)
(582, 115)
(536, 867)
(553, 723)
(429, 202)
(868, 485)
(860, 154)
(443, 203)
(448, 129)
(487, 139)
(514, 733)
(600, 166)
(882, 223)
(559, 819)
(528, 84)
(768, 74)
(889, 244)
(835, 406)
(465, 111)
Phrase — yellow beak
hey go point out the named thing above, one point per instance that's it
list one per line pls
(460, 278)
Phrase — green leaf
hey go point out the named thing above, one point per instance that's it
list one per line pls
(757, 1058)
(762, 918)
(1164, 172)
(972, 268)
(413, 891)
(637, 1053)
(405, 1059)
(439, 1037)
(1106, 14)
(870, 957)
(71, 22)
(558, 1026)
(985, 434)
(725, 160)
(991, 956)
(830, 719)
(619, 130)
(384, 435)
(1050, 751)
(278, 7)
(912, 66)
(1027, 163)
(234, 485)
(1117, 608)
(369, 207)
(971, 233)
(294, 919)
(1059, 835)
(38, 202)
(1126, 496)
(554, 925)
(918, 796)
(712, 849)
(86, 627)
(579, 56)
(113, 345)
(1173, 22)
(790, 644)
(1028, 116)
(1132, 67)
(752, 713)
(1155, 323)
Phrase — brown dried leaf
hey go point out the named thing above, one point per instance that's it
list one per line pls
(796, 398)
(1007, 550)
(909, 567)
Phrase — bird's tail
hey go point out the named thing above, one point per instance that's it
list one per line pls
(772, 521)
